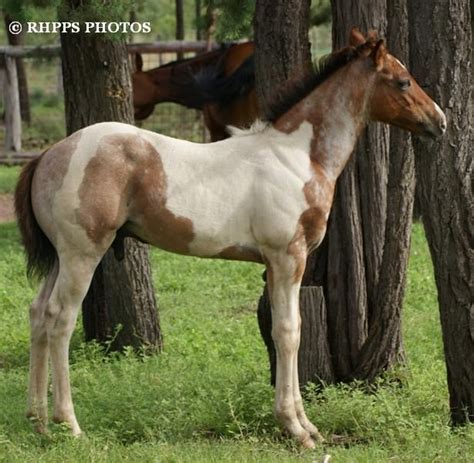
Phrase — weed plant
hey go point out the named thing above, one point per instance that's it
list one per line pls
(207, 397)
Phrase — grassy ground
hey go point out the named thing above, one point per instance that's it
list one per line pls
(207, 398)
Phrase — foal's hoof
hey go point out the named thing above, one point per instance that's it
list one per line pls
(72, 427)
(318, 437)
(39, 425)
(313, 431)
(308, 443)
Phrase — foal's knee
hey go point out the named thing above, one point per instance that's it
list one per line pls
(37, 323)
(56, 321)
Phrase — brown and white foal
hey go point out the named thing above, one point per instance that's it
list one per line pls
(263, 195)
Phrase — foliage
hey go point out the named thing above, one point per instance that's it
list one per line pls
(24, 10)
(90, 10)
(96, 10)
(207, 397)
(320, 12)
(234, 18)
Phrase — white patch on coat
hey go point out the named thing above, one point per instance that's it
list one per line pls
(440, 112)
(337, 137)
(243, 191)
(257, 127)
(399, 62)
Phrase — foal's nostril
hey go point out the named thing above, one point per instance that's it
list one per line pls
(442, 126)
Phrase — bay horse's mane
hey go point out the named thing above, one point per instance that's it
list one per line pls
(210, 85)
(295, 90)
(223, 47)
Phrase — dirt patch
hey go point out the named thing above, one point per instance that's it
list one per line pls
(7, 211)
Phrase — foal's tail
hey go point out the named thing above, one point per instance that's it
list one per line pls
(40, 253)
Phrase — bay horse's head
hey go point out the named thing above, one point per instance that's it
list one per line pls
(143, 91)
(397, 99)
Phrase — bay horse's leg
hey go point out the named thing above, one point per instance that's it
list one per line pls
(39, 352)
(284, 280)
(75, 275)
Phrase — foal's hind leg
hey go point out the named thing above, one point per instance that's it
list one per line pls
(75, 274)
(38, 378)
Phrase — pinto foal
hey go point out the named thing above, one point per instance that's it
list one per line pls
(263, 195)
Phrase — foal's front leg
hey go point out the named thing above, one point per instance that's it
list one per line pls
(303, 419)
(284, 280)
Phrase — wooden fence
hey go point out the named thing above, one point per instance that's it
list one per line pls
(12, 152)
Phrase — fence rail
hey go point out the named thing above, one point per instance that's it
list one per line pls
(9, 81)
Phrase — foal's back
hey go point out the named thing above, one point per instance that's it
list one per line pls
(221, 199)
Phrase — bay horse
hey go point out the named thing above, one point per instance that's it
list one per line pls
(220, 83)
(263, 195)
(167, 83)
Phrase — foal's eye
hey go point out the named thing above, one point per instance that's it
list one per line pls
(404, 84)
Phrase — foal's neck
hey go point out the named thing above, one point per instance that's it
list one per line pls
(337, 111)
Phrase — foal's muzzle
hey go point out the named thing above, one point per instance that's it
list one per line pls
(436, 126)
(433, 131)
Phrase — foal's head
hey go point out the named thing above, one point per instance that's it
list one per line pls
(397, 99)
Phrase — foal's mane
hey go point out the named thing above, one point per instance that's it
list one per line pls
(295, 90)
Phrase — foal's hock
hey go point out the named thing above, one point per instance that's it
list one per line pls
(263, 195)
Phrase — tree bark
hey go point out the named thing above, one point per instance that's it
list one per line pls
(11, 100)
(282, 45)
(179, 24)
(357, 226)
(198, 16)
(18, 39)
(362, 262)
(283, 52)
(441, 44)
(383, 347)
(97, 88)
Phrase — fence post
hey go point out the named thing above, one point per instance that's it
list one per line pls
(12, 107)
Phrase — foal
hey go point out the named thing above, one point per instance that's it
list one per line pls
(263, 195)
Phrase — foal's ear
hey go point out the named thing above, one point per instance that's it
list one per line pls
(138, 62)
(355, 37)
(378, 54)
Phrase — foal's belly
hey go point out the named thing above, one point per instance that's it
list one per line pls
(179, 235)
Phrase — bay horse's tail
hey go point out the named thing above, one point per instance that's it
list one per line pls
(40, 253)
(210, 85)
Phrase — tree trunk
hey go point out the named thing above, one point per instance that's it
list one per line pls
(357, 226)
(362, 262)
(179, 25)
(97, 88)
(198, 15)
(282, 45)
(17, 39)
(383, 347)
(11, 98)
(283, 51)
(211, 19)
(441, 44)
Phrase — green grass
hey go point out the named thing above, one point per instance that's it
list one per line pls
(206, 398)
(8, 178)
